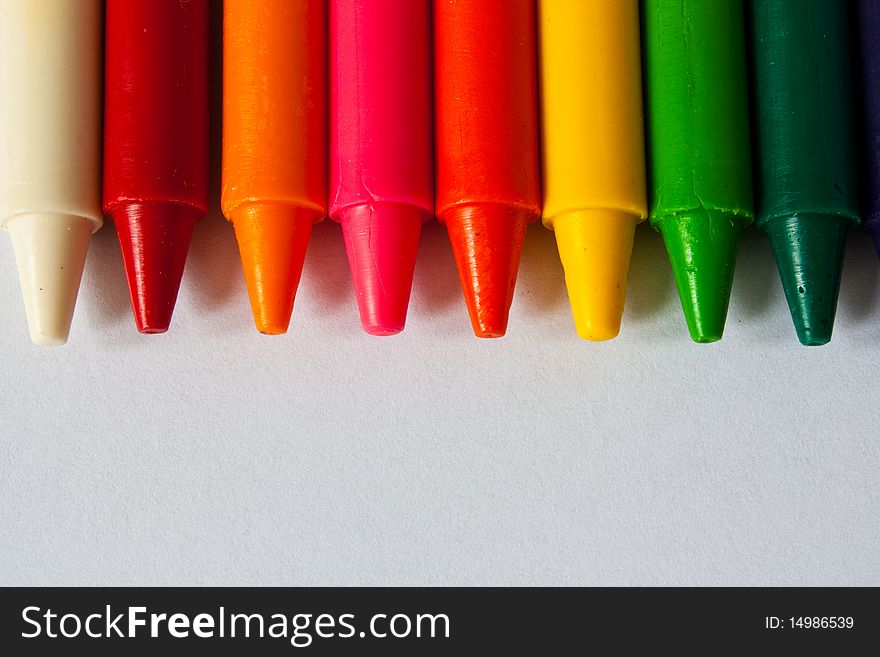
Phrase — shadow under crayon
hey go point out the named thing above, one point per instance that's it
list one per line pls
(326, 276)
(213, 274)
(860, 283)
(756, 285)
(651, 286)
(104, 290)
(436, 286)
(541, 281)
(213, 271)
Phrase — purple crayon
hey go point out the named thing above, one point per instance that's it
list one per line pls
(869, 27)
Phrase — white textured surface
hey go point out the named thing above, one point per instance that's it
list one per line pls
(214, 455)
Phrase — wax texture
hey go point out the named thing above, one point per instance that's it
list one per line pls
(381, 145)
(274, 144)
(698, 144)
(593, 150)
(808, 191)
(156, 120)
(50, 151)
(486, 136)
(869, 34)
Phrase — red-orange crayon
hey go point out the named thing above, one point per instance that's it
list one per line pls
(486, 109)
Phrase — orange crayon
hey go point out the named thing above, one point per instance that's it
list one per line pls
(274, 144)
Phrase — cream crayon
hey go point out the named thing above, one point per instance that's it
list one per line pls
(50, 146)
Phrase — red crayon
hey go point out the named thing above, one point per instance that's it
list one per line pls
(488, 188)
(155, 143)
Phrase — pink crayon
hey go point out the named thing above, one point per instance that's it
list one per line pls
(381, 160)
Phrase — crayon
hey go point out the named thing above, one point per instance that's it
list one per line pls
(869, 32)
(381, 163)
(155, 144)
(50, 151)
(806, 151)
(698, 146)
(274, 184)
(486, 136)
(592, 150)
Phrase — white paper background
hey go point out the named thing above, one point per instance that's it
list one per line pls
(214, 455)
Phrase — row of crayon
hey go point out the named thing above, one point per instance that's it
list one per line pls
(420, 109)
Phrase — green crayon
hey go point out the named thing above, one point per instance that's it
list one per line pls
(806, 148)
(700, 156)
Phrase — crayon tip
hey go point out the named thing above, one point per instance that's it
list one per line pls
(154, 238)
(487, 241)
(808, 249)
(382, 242)
(50, 252)
(702, 247)
(595, 248)
(272, 240)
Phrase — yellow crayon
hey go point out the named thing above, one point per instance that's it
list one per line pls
(593, 158)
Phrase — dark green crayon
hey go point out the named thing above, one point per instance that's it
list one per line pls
(699, 151)
(806, 151)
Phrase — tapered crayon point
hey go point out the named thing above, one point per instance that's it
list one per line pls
(702, 247)
(382, 241)
(487, 242)
(272, 240)
(50, 252)
(808, 249)
(595, 248)
(154, 238)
